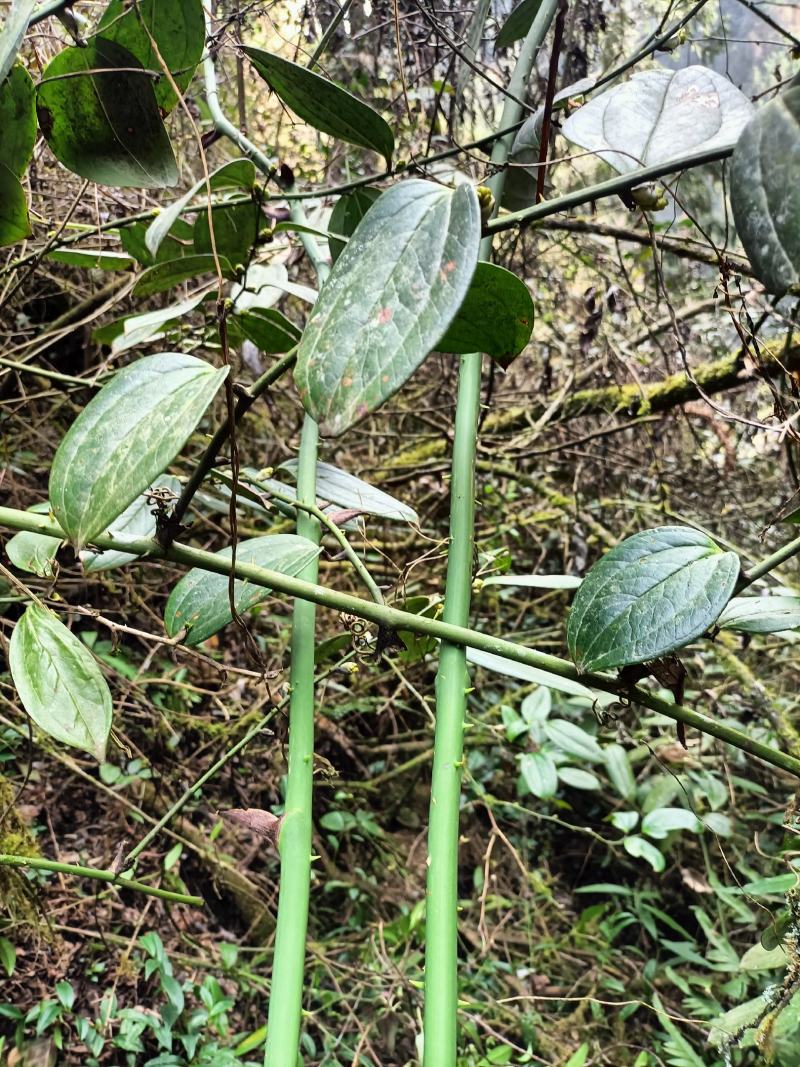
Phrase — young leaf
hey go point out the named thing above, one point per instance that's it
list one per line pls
(347, 212)
(518, 23)
(34, 552)
(618, 768)
(540, 774)
(105, 125)
(572, 739)
(17, 120)
(59, 683)
(199, 602)
(765, 196)
(389, 298)
(761, 614)
(496, 316)
(176, 26)
(137, 520)
(235, 174)
(641, 849)
(578, 778)
(13, 32)
(660, 115)
(663, 821)
(125, 437)
(338, 487)
(323, 105)
(653, 593)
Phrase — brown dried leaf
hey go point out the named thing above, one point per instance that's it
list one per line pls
(260, 822)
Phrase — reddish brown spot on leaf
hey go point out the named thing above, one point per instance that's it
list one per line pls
(260, 822)
(385, 315)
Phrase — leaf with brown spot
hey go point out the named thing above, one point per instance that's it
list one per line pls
(262, 823)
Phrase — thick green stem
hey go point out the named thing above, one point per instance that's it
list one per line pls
(286, 994)
(38, 864)
(440, 1024)
(394, 619)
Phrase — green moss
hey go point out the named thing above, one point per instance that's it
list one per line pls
(17, 902)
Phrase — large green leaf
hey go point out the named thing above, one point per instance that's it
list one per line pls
(105, 125)
(323, 105)
(651, 594)
(199, 602)
(137, 520)
(13, 32)
(390, 297)
(235, 174)
(17, 120)
(761, 614)
(125, 437)
(348, 211)
(14, 224)
(660, 115)
(338, 487)
(518, 22)
(59, 683)
(496, 316)
(176, 26)
(765, 193)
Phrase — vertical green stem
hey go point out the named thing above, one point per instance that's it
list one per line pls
(286, 993)
(452, 680)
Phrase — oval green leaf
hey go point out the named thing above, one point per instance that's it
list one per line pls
(496, 316)
(17, 120)
(539, 774)
(765, 195)
(572, 739)
(663, 821)
(761, 614)
(323, 105)
(34, 552)
(653, 593)
(267, 328)
(199, 602)
(338, 487)
(176, 26)
(660, 115)
(59, 683)
(105, 125)
(518, 23)
(618, 768)
(577, 778)
(125, 437)
(639, 848)
(137, 520)
(390, 297)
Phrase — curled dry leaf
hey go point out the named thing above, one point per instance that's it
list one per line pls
(261, 822)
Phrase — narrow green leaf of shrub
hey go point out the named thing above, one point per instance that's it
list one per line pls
(14, 223)
(84, 257)
(105, 125)
(761, 614)
(199, 602)
(653, 593)
(496, 316)
(571, 738)
(641, 849)
(338, 487)
(518, 23)
(535, 581)
(347, 212)
(267, 328)
(578, 778)
(125, 437)
(34, 552)
(138, 330)
(323, 105)
(660, 115)
(59, 683)
(8, 956)
(765, 196)
(178, 30)
(137, 520)
(163, 276)
(525, 673)
(391, 295)
(235, 174)
(618, 768)
(663, 821)
(539, 774)
(17, 120)
(13, 32)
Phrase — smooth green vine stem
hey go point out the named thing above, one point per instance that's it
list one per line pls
(440, 1023)
(286, 991)
(36, 863)
(395, 619)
